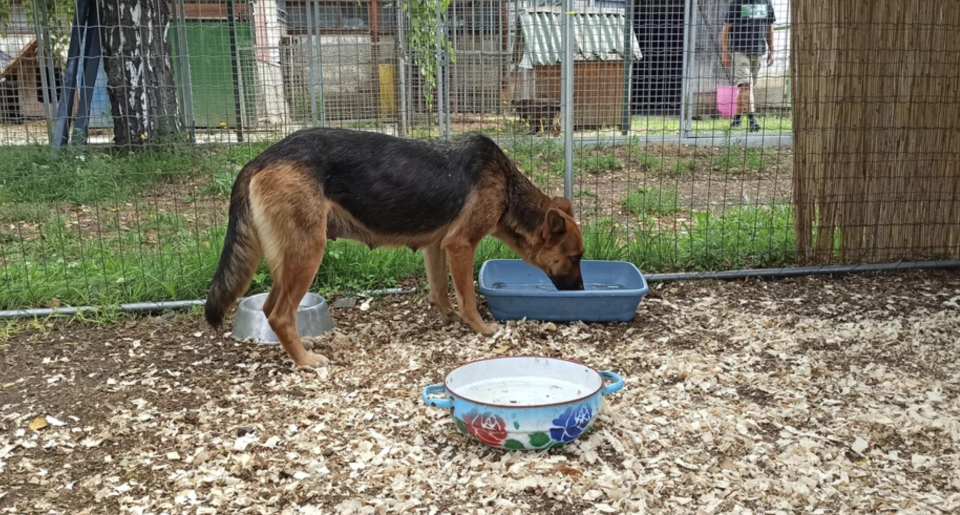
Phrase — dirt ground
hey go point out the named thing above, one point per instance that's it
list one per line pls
(813, 395)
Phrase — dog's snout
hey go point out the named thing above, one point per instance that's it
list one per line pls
(567, 282)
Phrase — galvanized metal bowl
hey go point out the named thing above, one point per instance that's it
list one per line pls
(313, 319)
(523, 403)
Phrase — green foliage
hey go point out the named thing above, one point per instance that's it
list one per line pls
(585, 193)
(35, 174)
(222, 164)
(171, 254)
(599, 164)
(683, 166)
(647, 160)
(749, 236)
(59, 18)
(739, 158)
(422, 40)
(122, 267)
(655, 200)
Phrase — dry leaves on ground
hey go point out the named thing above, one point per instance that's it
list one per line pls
(810, 395)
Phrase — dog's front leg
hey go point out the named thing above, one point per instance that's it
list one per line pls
(460, 255)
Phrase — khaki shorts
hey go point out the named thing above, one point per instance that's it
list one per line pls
(746, 68)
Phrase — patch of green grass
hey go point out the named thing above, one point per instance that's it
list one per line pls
(592, 165)
(543, 180)
(126, 269)
(667, 125)
(684, 166)
(220, 183)
(424, 132)
(34, 174)
(655, 125)
(647, 160)
(12, 327)
(164, 256)
(747, 237)
(557, 169)
(585, 193)
(363, 125)
(546, 157)
(655, 200)
(531, 153)
(737, 158)
(222, 163)
(599, 164)
(24, 212)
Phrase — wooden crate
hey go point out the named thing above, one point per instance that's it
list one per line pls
(597, 91)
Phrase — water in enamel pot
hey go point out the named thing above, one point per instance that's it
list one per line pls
(523, 381)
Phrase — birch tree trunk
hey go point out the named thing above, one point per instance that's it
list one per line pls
(137, 60)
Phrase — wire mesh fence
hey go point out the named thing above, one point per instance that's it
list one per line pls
(669, 122)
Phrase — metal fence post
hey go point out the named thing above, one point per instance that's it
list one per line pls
(439, 82)
(402, 67)
(310, 67)
(176, 42)
(48, 50)
(692, 64)
(627, 69)
(235, 69)
(446, 92)
(41, 61)
(323, 115)
(685, 70)
(566, 92)
(185, 65)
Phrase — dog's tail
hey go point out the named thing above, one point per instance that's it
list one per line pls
(240, 256)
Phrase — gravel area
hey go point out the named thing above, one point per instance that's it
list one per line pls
(812, 395)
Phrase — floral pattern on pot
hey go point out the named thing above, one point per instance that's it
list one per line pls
(486, 427)
(571, 423)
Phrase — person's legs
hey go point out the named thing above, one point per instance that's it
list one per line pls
(742, 78)
(754, 73)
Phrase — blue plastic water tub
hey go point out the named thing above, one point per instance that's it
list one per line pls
(516, 290)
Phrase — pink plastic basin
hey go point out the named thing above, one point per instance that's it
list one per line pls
(727, 100)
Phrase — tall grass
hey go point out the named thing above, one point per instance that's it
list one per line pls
(35, 174)
(171, 256)
(750, 236)
(64, 267)
(654, 200)
(737, 158)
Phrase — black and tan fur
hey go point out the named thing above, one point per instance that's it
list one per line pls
(442, 197)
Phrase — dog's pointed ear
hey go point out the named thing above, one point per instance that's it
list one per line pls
(563, 204)
(553, 224)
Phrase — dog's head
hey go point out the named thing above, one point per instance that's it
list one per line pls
(560, 246)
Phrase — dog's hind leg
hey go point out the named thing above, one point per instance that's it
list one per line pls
(299, 266)
(271, 301)
(436, 265)
(290, 218)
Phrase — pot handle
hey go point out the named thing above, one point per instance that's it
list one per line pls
(616, 379)
(436, 403)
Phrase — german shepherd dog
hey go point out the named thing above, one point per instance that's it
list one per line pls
(440, 196)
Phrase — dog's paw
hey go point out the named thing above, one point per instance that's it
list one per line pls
(489, 329)
(450, 318)
(313, 360)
